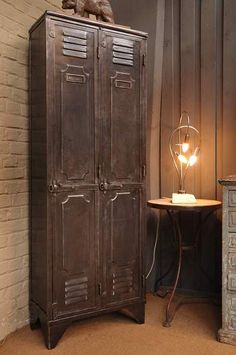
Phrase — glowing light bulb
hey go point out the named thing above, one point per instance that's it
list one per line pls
(182, 158)
(192, 160)
(185, 147)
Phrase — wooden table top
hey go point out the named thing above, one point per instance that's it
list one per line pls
(165, 203)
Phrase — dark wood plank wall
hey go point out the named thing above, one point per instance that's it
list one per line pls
(229, 88)
(199, 72)
(199, 77)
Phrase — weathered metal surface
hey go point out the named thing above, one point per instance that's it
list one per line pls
(228, 332)
(229, 180)
(173, 210)
(88, 183)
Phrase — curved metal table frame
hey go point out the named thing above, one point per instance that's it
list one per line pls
(209, 206)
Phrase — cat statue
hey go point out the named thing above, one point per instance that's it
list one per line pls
(100, 8)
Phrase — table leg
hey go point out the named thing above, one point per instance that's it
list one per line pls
(171, 312)
(158, 291)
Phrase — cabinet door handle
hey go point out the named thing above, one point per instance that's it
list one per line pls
(107, 186)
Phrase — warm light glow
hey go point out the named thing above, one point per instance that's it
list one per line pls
(185, 147)
(192, 160)
(182, 158)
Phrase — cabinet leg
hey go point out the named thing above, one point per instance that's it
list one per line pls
(227, 336)
(52, 334)
(136, 312)
(34, 324)
(34, 317)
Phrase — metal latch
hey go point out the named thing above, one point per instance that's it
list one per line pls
(108, 186)
(53, 187)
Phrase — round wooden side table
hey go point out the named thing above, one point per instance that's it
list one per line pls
(208, 206)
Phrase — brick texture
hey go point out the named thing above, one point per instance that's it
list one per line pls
(16, 17)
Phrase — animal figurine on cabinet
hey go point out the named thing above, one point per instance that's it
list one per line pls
(100, 8)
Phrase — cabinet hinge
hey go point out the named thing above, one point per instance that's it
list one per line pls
(98, 51)
(99, 289)
(99, 171)
(144, 60)
(144, 170)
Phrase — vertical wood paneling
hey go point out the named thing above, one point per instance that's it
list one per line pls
(211, 82)
(229, 88)
(170, 94)
(190, 19)
(208, 98)
(199, 74)
(193, 37)
(156, 103)
(190, 73)
(219, 23)
(169, 119)
(193, 45)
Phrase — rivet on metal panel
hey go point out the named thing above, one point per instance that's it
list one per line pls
(52, 34)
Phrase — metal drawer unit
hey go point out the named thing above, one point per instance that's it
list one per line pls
(227, 334)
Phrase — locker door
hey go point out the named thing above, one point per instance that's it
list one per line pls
(123, 167)
(74, 187)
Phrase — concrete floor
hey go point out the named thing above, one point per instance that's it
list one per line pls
(193, 332)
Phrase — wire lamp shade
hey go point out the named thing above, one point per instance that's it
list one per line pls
(184, 146)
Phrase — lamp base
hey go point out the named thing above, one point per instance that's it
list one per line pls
(183, 198)
(181, 192)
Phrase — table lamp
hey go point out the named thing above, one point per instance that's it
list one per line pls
(184, 146)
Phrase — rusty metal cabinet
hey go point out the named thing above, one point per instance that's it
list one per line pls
(88, 108)
(228, 332)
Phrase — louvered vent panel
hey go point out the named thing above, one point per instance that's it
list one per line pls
(122, 282)
(75, 43)
(123, 51)
(76, 290)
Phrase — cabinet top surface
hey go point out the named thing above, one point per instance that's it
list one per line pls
(87, 22)
(165, 203)
(229, 180)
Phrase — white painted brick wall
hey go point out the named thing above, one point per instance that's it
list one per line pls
(16, 17)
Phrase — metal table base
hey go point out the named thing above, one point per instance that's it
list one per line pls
(173, 213)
